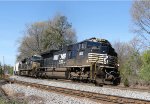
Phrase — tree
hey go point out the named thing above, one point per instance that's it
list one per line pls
(42, 36)
(10, 69)
(122, 51)
(31, 42)
(140, 13)
(128, 59)
(59, 33)
(145, 70)
(135, 58)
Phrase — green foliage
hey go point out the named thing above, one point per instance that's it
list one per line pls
(129, 59)
(146, 57)
(145, 70)
(145, 73)
(4, 100)
(125, 71)
(10, 71)
(58, 33)
(9, 68)
(130, 67)
(126, 83)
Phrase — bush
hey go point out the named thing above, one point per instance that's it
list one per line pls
(126, 83)
(145, 73)
(145, 70)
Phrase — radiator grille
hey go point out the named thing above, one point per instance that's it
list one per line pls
(102, 58)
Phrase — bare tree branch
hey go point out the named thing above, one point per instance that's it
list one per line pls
(47, 35)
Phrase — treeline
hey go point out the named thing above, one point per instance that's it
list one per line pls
(5, 69)
(134, 56)
(134, 62)
(46, 35)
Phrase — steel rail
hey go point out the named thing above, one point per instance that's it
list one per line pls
(91, 84)
(85, 94)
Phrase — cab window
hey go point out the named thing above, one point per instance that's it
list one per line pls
(82, 46)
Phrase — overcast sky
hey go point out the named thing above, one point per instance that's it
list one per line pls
(110, 20)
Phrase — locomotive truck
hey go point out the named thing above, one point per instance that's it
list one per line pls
(93, 60)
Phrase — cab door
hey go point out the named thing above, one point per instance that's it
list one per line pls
(82, 54)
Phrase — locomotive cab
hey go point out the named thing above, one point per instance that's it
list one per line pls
(30, 65)
(93, 59)
(103, 59)
(35, 62)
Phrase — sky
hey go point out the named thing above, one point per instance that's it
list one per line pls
(102, 19)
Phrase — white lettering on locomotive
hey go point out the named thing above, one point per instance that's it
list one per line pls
(55, 57)
(63, 56)
(80, 53)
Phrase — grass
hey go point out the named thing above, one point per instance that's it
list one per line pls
(10, 101)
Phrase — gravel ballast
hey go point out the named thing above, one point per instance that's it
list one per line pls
(102, 90)
(47, 97)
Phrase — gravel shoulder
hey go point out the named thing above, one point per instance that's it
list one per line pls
(36, 96)
(102, 90)
(5, 99)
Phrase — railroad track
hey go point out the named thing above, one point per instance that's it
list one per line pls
(106, 86)
(91, 84)
(82, 94)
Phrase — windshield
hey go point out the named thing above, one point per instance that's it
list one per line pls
(112, 52)
(104, 49)
(34, 58)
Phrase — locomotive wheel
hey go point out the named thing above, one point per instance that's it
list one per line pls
(99, 82)
(100, 78)
(20, 72)
(116, 81)
(38, 74)
(45, 76)
(30, 73)
(67, 74)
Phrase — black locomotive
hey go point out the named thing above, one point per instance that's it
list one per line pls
(92, 60)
